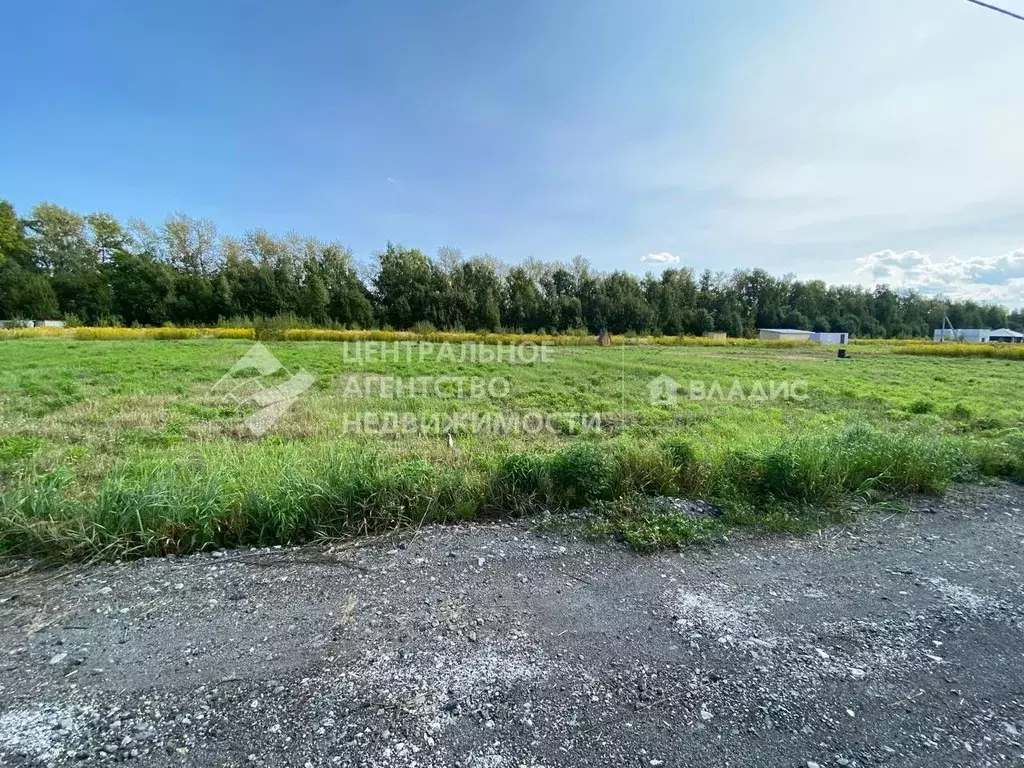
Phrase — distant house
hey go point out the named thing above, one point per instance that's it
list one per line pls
(970, 335)
(1006, 336)
(782, 334)
(831, 338)
(717, 335)
(49, 323)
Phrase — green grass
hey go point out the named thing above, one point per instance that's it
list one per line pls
(119, 448)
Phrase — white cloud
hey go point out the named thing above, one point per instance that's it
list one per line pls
(831, 130)
(660, 258)
(847, 125)
(890, 115)
(985, 278)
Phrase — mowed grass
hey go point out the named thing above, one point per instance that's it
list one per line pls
(121, 448)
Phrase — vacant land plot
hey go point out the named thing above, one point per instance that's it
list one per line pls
(134, 447)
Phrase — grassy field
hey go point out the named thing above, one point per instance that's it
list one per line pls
(122, 447)
(274, 333)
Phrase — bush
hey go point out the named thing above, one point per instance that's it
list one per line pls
(961, 412)
(922, 406)
(584, 472)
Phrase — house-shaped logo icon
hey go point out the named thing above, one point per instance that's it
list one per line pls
(273, 400)
(663, 390)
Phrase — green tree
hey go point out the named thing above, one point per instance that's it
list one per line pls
(26, 294)
(106, 236)
(13, 242)
(188, 244)
(403, 286)
(141, 288)
(522, 301)
(58, 239)
(316, 299)
(25, 291)
(702, 322)
(83, 292)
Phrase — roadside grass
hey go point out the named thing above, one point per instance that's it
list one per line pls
(638, 522)
(235, 495)
(120, 449)
(1002, 457)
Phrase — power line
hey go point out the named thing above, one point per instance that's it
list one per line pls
(1011, 14)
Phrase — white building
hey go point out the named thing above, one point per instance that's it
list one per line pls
(782, 334)
(831, 338)
(1006, 336)
(970, 335)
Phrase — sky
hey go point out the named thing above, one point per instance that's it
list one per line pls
(856, 141)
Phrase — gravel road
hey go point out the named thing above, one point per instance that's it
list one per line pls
(898, 642)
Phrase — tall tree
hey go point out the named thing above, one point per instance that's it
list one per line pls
(403, 286)
(58, 239)
(141, 288)
(189, 244)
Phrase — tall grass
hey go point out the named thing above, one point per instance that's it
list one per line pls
(266, 494)
(113, 333)
(272, 330)
(1002, 457)
(230, 496)
(997, 351)
(289, 328)
(857, 461)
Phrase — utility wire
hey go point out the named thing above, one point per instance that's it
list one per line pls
(1011, 14)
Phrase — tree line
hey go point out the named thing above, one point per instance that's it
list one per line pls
(94, 270)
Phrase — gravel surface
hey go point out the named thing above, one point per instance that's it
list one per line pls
(898, 642)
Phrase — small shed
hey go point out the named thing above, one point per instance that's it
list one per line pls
(717, 335)
(1006, 336)
(782, 334)
(49, 323)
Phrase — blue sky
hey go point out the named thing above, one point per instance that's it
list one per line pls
(854, 140)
